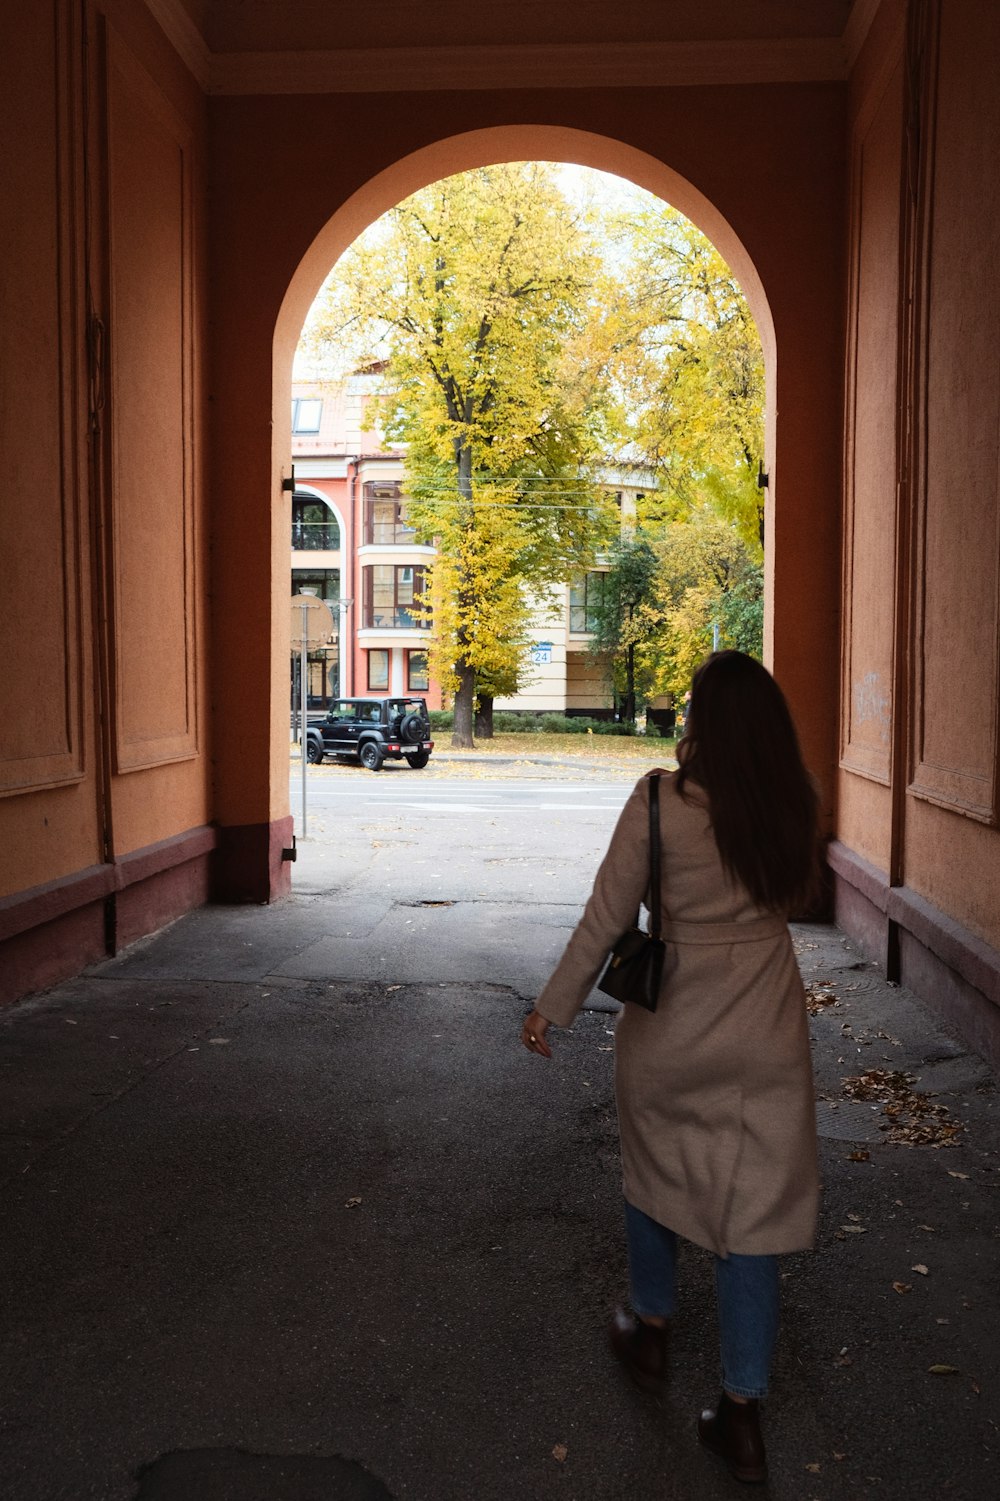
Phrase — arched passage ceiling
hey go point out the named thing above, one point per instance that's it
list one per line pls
(321, 46)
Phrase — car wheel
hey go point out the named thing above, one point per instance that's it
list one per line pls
(314, 752)
(420, 760)
(371, 756)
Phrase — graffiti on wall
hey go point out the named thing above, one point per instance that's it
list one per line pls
(873, 705)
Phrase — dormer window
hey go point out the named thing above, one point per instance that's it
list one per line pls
(306, 414)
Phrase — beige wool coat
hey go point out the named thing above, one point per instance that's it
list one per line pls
(714, 1089)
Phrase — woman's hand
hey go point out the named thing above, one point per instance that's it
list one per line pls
(533, 1034)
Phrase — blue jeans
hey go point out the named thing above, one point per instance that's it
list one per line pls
(746, 1290)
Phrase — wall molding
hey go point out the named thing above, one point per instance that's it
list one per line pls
(376, 70)
(968, 956)
(870, 700)
(962, 774)
(132, 98)
(570, 66)
(55, 899)
(187, 41)
(54, 754)
(859, 24)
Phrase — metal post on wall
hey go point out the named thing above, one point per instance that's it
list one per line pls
(303, 700)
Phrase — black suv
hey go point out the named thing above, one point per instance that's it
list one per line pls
(371, 730)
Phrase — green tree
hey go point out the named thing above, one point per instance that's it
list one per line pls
(479, 293)
(707, 586)
(621, 617)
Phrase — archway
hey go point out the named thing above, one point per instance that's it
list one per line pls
(461, 153)
(480, 147)
(788, 267)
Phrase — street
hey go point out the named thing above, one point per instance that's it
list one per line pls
(291, 1216)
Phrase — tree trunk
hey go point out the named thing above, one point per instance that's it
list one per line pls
(464, 705)
(484, 717)
(465, 696)
(628, 713)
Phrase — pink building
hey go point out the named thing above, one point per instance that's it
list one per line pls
(352, 546)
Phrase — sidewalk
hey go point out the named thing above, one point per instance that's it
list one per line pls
(273, 1238)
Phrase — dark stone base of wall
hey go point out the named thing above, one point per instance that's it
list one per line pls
(52, 951)
(51, 932)
(955, 972)
(250, 862)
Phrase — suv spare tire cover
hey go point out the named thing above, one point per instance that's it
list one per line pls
(412, 728)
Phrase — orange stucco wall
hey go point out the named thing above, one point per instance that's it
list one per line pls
(918, 781)
(103, 628)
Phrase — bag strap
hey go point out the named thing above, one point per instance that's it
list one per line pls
(654, 855)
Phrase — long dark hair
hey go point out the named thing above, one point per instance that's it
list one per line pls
(740, 745)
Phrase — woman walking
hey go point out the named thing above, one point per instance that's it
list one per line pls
(714, 1088)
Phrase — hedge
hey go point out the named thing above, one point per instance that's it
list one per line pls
(506, 722)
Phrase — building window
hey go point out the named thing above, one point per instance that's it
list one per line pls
(306, 414)
(390, 593)
(385, 515)
(314, 526)
(417, 672)
(324, 582)
(378, 670)
(585, 599)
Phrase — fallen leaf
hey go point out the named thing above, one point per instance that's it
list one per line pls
(942, 1321)
(854, 1229)
(957, 1175)
(854, 1218)
(559, 1452)
(975, 1387)
(218, 1042)
(919, 1268)
(839, 1457)
(813, 1469)
(352, 1203)
(859, 1156)
(944, 1370)
(902, 1287)
(931, 1228)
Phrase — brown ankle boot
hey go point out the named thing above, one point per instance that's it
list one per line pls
(732, 1431)
(641, 1348)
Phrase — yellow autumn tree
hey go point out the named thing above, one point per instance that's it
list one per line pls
(693, 368)
(480, 294)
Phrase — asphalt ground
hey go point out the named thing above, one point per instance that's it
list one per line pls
(289, 1214)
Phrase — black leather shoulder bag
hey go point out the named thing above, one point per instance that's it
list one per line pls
(635, 970)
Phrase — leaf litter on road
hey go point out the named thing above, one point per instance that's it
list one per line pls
(912, 1118)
